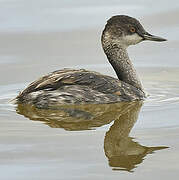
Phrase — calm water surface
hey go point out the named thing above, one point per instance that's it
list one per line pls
(125, 140)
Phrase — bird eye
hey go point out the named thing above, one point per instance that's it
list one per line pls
(132, 29)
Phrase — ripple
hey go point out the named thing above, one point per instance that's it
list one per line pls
(162, 94)
(7, 93)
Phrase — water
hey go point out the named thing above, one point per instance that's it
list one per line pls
(41, 36)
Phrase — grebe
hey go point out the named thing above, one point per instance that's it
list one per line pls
(69, 86)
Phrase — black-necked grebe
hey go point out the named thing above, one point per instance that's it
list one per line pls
(69, 86)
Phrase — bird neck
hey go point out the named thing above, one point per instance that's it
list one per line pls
(119, 59)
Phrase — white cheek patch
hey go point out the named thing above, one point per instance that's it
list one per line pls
(133, 39)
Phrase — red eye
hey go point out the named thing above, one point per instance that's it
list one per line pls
(132, 29)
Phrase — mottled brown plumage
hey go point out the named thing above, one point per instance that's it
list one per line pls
(77, 87)
(69, 86)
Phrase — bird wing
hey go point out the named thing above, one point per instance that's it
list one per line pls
(93, 80)
(64, 77)
(48, 81)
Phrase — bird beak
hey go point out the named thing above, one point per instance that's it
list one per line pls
(150, 37)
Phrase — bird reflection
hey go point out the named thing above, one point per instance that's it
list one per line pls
(122, 151)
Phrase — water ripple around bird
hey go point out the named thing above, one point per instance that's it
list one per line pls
(161, 94)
